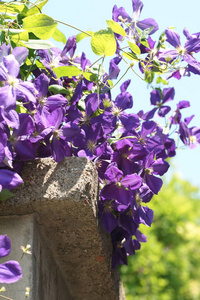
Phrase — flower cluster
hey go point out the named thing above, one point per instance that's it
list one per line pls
(44, 113)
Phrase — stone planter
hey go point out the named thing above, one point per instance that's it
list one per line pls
(55, 211)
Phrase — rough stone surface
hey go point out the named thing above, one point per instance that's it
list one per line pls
(63, 197)
(40, 272)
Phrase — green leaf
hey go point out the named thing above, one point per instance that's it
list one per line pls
(36, 8)
(134, 48)
(40, 65)
(116, 27)
(90, 76)
(145, 43)
(21, 36)
(12, 8)
(59, 36)
(83, 35)
(110, 82)
(67, 71)
(5, 194)
(41, 25)
(37, 44)
(103, 42)
(13, 31)
(130, 55)
(58, 89)
(162, 80)
(149, 76)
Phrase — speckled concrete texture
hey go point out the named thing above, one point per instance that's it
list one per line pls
(63, 198)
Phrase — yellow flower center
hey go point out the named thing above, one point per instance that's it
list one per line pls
(12, 81)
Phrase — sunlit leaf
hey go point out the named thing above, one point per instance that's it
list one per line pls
(36, 8)
(83, 35)
(41, 25)
(103, 42)
(162, 80)
(90, 76)
(134, 48)
(130, 55)
(59, 36)
(110, 83)
(12, 8)
(116, 27)
(37, 44)
(58, 89)
(21, 36)
(67, 71)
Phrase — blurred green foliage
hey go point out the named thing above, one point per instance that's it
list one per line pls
(168, 266)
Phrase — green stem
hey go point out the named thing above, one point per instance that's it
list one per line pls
(73, 27)
(132, 68)
(120, 78)
(102, 57)
(29, 71)
(6, 297)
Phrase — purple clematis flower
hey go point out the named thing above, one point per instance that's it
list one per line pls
(152, 167)
(10, 271)
(158, 99)
(13, 90)
(120, 187)
(192, 45)
(149, 23)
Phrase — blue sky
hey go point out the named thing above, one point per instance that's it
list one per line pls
(91, 15)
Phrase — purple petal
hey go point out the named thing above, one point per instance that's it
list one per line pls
(109, 222)
(129, 121)
(58, 151)
(70, 46)
(25, 150)
(125, 85)
(10, 272)
(11, 117)
(160, 167)
(26, 127)
(55, 101)
(9, 179)
(192, 45)
(70, 130)
(154, 183)
(183, 104)
(119, 12)
(192, 61)
(155, 97)
(4, 51)
(113, 174)
(41, 84)
(5, 245)
(140, 236)
(124, 101)
(25, 91)
(173, 38)
(12, 65)
(132, 181)
(7, 97)
(3, 73)
(113, 70)
(137, 8)
(148, 23)
(163, 111)
(20, 54)
(168, 94)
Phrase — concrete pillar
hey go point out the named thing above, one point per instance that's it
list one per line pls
(55, 211)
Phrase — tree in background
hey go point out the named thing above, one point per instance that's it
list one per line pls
(168, 267)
